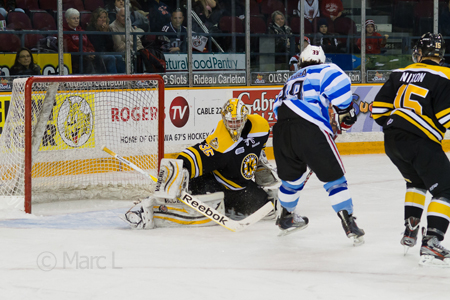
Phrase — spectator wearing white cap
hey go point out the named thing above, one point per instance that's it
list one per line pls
(374, 40)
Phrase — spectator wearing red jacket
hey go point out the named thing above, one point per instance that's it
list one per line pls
(374, 40)
(92, 64)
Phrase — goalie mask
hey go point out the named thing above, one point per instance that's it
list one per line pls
(234, 116)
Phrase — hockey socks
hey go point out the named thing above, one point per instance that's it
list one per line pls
(339, 195)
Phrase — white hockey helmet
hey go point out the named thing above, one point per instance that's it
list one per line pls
(234, 116)
(313, 53)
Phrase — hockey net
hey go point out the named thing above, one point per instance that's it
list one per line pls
(56, 126)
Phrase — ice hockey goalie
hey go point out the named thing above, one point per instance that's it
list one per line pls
(228, 169)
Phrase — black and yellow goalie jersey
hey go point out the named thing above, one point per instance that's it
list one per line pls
(416, 99)
(233, 164)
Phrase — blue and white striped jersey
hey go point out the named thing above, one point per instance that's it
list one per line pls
(310, 91)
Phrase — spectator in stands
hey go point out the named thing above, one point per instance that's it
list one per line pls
(104, 42)
(24, 64)
(374, 40)
(207, 16)
(344, 26)
(137, 16)
(159, 13)
(325, 39)
(283, 37)
(311, 9)
(293, 62)
(233, 7)
(7, 6)
(92, 64)
(152, 64)
(331, 9)
(175, 41)
(119, 40)
(208, 6)
(223, 9)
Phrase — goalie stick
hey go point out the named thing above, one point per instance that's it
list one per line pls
(221, 219)
(128, 163)
(203, 208)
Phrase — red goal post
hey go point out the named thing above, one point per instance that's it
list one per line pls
(56, 127)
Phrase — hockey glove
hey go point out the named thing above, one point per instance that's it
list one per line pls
(347, 117)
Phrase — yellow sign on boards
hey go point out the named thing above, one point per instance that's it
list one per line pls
(47, 61)
(70, 125)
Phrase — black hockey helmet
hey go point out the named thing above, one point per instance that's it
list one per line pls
(432, 45)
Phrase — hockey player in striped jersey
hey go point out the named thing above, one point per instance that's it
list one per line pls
(413, 107)
(303, 137)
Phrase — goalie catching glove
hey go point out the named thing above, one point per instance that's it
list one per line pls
(346, 117)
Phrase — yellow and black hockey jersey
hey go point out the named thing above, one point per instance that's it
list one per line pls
(416, 99)
(232, 163)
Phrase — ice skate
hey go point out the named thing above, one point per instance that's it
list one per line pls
(290, 222)
(351, 229)
(432, 253)
(409, 238)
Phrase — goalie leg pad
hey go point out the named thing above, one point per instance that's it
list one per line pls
(174, 213)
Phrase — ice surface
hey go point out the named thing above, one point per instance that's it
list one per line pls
(84, 251)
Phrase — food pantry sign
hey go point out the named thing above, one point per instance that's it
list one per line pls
(206, 61)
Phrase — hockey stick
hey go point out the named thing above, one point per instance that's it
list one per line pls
(220, 218)
(203, 208)
(128, 163)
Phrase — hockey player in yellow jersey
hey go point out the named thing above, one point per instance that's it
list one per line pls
(227, 159)
(413, 107)
(231, 162)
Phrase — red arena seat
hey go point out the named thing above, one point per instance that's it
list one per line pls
(77, 4)
(268, 7)
(18, 20)
(85, 18)
(257, 25)
(92, 5)
(28, 4)
(31, 40)
(9, 42)
(42, 20)
(48, 4)
(226, 24)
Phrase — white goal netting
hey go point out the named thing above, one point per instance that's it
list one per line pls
(71, 121)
